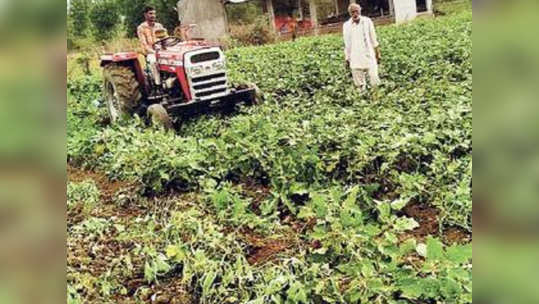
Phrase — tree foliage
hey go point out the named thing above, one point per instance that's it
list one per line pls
(167, 13)
(105, 17)
(244, 13)
(132, 10)
(78, 17)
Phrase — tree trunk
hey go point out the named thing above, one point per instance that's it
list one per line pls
(271, 13)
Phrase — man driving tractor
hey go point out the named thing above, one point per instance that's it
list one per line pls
(147, 34)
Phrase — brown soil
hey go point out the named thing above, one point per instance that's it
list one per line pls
(96, 255)
(301, 227)
(107, 188)
(127, 212)
(257, 192)
(262, 249)
(427, 218)
(456, 235)
(267, 251)
(171, 291)
(386, 188)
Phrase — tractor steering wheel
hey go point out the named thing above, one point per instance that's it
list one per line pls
(167, 42)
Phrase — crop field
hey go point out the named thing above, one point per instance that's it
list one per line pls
(318, 195)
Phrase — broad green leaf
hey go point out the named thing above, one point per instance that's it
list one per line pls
(411, 288)
(352, 196)
(297, 293)
(297, 188)
(305, 213)
(459, 253)
(405, 223)
(175, 252)
(149, 272)
(398, 204)
(450, 289)
(354, 294)
(161, 265)
(408, 246)
(367, 270)
(435, 249)
(384, 211)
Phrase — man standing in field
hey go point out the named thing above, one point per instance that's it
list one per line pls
(146, 33)
(361, 48)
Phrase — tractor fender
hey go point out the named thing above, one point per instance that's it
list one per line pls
(130, 59)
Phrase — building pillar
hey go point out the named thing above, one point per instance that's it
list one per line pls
(405, 10)
(429, 6)
(314, 15)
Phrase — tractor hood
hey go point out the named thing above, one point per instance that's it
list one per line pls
(178, 51)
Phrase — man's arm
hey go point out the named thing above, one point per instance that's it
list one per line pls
(374, 41)
(144, 42)
(346, 44)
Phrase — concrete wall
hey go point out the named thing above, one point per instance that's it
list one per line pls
(405, 10)
(209, 15)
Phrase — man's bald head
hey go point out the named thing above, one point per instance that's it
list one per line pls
(354, 10)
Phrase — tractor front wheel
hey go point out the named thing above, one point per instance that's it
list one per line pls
(121, 91)
(258, 93)
(158, 116)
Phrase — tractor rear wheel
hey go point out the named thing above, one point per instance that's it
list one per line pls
(121, 91)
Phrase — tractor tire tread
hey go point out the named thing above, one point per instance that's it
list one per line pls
(126, 85)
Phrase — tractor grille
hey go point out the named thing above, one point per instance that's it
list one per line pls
(209, 93)
(206, 87)
(206, 78)
(209, 85)
(204, 57)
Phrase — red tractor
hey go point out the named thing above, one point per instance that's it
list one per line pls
(193, 79)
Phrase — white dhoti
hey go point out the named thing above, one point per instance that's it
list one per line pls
(359, 76)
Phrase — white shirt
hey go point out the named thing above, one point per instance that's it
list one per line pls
(359, 43)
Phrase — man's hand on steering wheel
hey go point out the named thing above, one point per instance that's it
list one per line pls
(164, 44)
